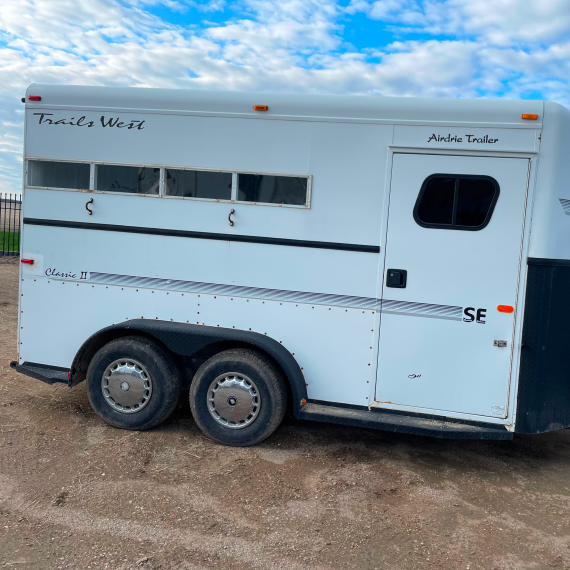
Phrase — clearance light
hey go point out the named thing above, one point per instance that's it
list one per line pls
(260, 108)
(505, 309)
(28, 261)
(529, 117)
(34, 98)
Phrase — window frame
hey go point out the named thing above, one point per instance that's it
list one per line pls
(163, 179)
(95, 173)
(453, 225)
(35, 159)
(162, 186)
(304, 206)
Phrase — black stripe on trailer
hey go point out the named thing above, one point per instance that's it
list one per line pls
(548, 262)
(202, 235)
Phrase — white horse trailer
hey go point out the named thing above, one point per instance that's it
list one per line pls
(394, 263)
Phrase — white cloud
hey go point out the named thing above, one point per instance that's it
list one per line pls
(183, 5)
(505, 22)
(501, 22)
(280, 29)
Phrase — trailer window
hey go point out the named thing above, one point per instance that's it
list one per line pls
(474, 199)
(456, 202)
(436, 205)
(272, 189)
(50, 174)
(130, 179)
(198, 184)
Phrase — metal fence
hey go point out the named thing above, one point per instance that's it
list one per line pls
(10, 216)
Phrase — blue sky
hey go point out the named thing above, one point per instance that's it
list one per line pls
(425, 48)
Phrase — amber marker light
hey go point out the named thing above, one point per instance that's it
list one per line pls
(529, 117)
(260, 108)
(505, 309)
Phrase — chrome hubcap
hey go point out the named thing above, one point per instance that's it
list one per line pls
(233, 400)
(126, 386)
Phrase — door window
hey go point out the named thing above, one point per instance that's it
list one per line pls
(456, 202)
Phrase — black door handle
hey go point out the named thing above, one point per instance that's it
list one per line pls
(396, 278)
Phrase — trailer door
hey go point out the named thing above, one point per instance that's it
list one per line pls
(451, 274)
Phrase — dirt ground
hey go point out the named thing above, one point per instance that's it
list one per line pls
(76, 493)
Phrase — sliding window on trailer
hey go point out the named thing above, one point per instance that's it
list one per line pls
(254, 188)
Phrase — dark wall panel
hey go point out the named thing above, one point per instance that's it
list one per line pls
(544, 381)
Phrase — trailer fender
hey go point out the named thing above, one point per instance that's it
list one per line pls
(187, 340)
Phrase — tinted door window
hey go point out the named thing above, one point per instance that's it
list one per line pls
(474, 199)
(436, 205)
(456, 202)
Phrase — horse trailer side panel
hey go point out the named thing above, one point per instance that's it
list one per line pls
(307, 298)
(346, 164)
(59, 314)
(333, 345)
(266, 266)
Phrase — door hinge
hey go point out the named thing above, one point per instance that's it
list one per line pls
(500, 343)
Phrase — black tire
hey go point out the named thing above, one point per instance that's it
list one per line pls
(270, 385)
(164, 373)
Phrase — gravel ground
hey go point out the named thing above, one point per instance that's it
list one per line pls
(76, 493)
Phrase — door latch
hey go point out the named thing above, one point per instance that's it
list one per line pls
(500, 343)
(396, 278)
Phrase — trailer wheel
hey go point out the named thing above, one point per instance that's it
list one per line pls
(238, 397)
(133, 383)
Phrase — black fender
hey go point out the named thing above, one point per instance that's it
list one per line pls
(187, 340)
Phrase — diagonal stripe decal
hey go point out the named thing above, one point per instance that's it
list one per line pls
(236, 291)
(565, 205)
(426, 310)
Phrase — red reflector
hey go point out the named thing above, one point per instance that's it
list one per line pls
(34, 98)
(505, 309)
(28, 261)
